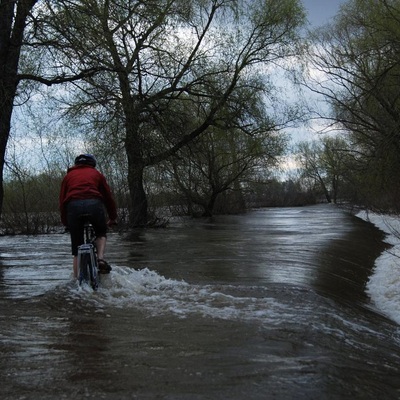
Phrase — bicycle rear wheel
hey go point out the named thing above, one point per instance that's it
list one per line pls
(94, 277)
(87, 268)
(83, 266)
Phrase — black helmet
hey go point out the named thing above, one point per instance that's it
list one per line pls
(87, 159)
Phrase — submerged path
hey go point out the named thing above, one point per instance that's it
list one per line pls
(267, 305)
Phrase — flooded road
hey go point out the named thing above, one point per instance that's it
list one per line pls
(267, 305)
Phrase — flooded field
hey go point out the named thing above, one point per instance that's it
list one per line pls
(267, 305)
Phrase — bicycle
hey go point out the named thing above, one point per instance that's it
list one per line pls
(87, 259)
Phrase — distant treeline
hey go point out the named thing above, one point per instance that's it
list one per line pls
(31, 203)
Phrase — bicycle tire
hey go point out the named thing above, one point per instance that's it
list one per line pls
(93, 274)
(88, 272)
(87, 260)
(84, 274)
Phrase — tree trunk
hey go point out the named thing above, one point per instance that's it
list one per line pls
(326, 192)
(335, 188)
(5, 122)
(209, 208)
(138, 216)
(12, 26)
(138, 211)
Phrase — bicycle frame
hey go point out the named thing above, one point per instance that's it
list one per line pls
(87, 260)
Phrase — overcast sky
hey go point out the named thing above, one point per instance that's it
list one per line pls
(320, 11)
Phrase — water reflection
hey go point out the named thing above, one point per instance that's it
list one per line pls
(319, 247)
(345, 264)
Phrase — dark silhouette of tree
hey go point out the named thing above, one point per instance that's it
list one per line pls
(161, 58)
(358, 63)
(13, 20)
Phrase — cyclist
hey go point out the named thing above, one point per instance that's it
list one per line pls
(86, 195)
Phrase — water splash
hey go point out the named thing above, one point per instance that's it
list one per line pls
(146, 289)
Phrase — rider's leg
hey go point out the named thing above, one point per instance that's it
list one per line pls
(104, 267)
(75, 267)
(99, 222)
(75, 225)
(101, 246)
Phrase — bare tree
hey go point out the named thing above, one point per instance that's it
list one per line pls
(328, 163)
(309, 157)
(221, 162)
(13, 20)
(357, 63)
(18, 22)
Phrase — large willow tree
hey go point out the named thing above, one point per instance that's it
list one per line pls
(159, 60)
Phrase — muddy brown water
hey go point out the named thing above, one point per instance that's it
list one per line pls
(266, 305)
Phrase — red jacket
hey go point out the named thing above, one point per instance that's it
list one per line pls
(85, 182)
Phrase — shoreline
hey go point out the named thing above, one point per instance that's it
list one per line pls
(383, 286)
